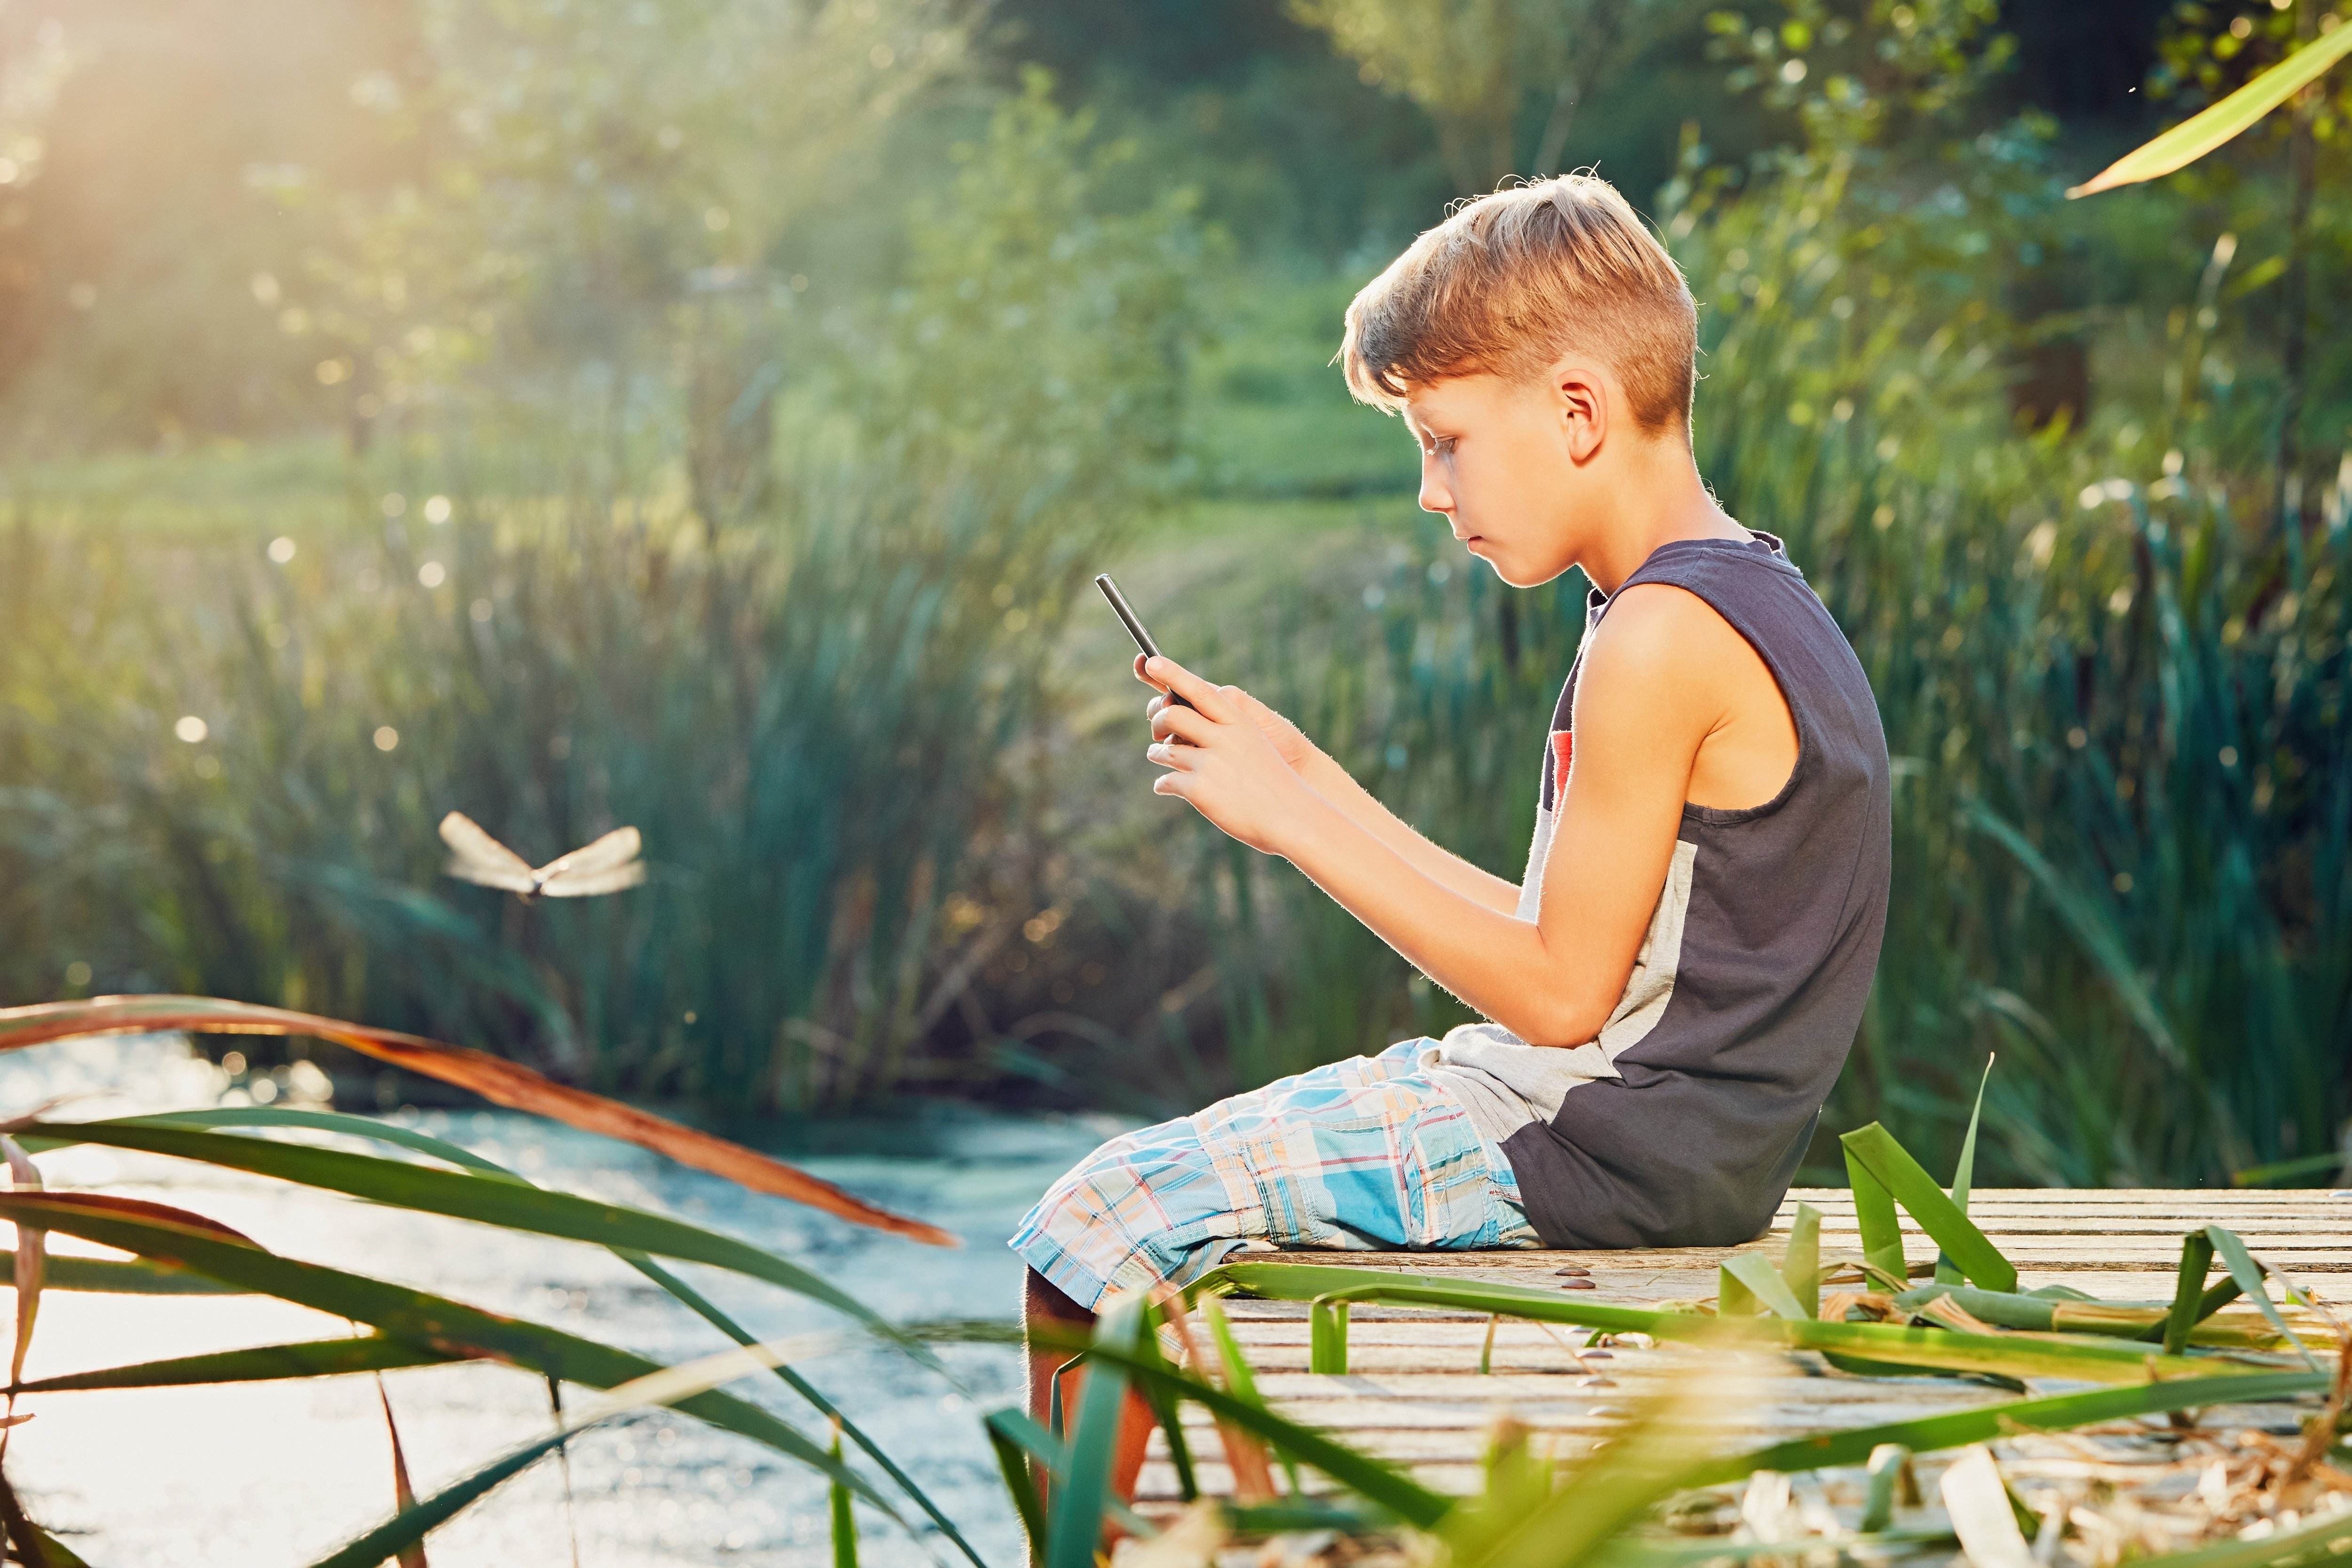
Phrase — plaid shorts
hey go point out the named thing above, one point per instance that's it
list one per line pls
(1367, 1154)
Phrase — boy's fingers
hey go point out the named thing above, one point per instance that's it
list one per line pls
(1147, 680)
(1210, 700)
(1190, 725)
(1172, 755)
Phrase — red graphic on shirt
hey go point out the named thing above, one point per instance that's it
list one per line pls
(1563, 749)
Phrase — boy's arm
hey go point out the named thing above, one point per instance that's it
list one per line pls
(1644, 705)
(1358, 805)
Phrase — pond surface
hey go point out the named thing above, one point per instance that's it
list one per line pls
(281, 1473)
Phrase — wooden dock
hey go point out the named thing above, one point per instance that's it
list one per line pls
(1414, 1393)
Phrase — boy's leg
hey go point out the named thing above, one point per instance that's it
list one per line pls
(1043, 1305)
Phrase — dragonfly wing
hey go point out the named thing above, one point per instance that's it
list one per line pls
(616, 848)
(475, 857)
(586, 883)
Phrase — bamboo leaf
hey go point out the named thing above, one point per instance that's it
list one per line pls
(1874, 1148)
(1964, 1175)
(494, 1078)
(409, 1315)
(263, 1363)
(1801, 1265)
(1928, 1433)
(2200, 133)
(1755, 1271)
(489, 1200)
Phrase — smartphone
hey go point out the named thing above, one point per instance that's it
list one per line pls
(1134, 626)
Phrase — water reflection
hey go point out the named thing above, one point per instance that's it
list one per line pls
(283, 1472)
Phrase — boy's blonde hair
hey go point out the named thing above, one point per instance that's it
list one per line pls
(1512, 281)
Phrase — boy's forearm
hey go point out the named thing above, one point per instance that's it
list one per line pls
(1362, 807)
(1480, 952)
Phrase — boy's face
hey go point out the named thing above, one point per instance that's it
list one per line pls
(1505, 462)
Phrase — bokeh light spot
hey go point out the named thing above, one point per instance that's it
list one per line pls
(281, 549)
(386, 737)
(437, 508)
(432, 574)
(190, 728)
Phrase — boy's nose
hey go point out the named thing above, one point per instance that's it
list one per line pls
(1434, 495)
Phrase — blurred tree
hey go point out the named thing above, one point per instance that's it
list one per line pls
(1470, 65)
(608, 185)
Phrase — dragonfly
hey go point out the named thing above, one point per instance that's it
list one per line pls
(608, 865)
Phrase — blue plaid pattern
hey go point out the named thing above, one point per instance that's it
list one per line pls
(1367, 1154)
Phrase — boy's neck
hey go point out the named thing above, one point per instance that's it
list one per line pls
(1659, 499)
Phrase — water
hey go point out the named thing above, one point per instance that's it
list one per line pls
(284, 1472)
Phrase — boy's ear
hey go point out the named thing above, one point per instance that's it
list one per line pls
(1582, 393)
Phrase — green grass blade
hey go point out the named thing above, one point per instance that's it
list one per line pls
(2200, 133)
(485, 1198)
(1013, 1459)
(676, 1386)
(1987, 1423)
(1327, 1337)
(1080, 1500)
(1886, 1463)
(1874, 1218)
(116, 1277)
(1170, 1415)
(1755, 1271)
(1964, 1175)
(2233, 1256)
(424, 1143)
(1733, 1299)
(2097, 1359)
(1238, 1376)
(1911, 1186)
(702, 1306)
(2287, 1170)
(1801, 1265)
(2191, 1302)
(410, 1314)
(263, 1363)
(843, 1517)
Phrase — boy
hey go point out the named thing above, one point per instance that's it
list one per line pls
(1672, 988)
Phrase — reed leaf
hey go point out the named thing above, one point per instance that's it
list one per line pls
(1882, 1160)
(676, 1386)
(1078, 1502)
(1755, 1273)
(2249, 1276)
(1964, 1175)
(478, 1196)
(1927, 1434)
(1800, 1264)
(494, 1078)
(2200, 133)
(404, 1314)
(262, 1364)
(2094, 1360)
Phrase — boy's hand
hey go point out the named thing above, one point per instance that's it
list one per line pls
(1288, 737)
(1222, 760)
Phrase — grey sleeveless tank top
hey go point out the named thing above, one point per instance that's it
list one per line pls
(1683, 1122)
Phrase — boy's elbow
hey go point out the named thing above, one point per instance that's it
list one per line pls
(1573, 1019)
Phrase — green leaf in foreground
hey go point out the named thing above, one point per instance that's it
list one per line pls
(262, 1364)
(1989, 1422)
(676, 1386)
(1078, 1501)
(1872, 1152)
(1964, 1175)
(2200, 133)
(368, 1128)
(409, 1314)
(479, 1197)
